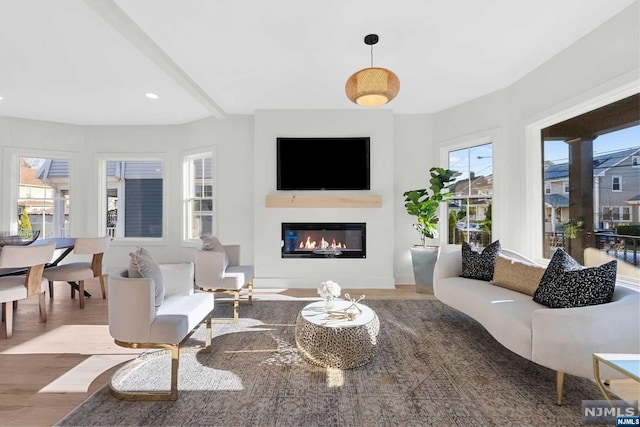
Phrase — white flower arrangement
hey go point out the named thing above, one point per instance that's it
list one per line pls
(329, 288)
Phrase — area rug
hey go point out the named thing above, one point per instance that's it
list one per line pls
(429, 370)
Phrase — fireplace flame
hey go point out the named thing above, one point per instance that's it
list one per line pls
(312, 244)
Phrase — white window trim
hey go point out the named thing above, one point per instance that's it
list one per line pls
(613, 178)
(101, 167)
(186, 157)
(490, 136)
(11, 157)
(610, 92)
(635, 161)
(565, 186)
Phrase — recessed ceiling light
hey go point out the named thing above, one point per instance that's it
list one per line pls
(151, 95)
(1, 97)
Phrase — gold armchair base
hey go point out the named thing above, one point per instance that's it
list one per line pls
(175, 361)
(236, 300)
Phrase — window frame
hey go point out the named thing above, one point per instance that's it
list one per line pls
(102, 159)
(12, 182)
(188, 156)
(613, 183)
(533, 219)
(491, 136)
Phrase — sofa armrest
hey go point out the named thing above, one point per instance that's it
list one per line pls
(233, 252)
(131, 307)
(565, 339)
(448, 265)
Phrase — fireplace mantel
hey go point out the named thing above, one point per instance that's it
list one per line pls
(323, 201)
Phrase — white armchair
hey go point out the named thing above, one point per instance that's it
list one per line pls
(134, 322)
(214, 275)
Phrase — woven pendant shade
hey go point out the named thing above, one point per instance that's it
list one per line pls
(371, 87)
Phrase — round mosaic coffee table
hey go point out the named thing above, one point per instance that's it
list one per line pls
(342, 344)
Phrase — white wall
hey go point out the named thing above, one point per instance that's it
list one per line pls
(600, 63)
(231, 139)
(413, 156)
(376, 271)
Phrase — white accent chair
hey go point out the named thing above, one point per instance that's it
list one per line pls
(213, 275)
(134, 322)
(78, 272)
(14, 288)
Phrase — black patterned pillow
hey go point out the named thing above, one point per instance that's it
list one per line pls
(567, 284)
(479, 265)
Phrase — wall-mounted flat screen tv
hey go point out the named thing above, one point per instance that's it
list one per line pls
(323, 163)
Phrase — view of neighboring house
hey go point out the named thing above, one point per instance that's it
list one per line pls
(478, 190)
(616, 190)
(134, 197)
(44, 193)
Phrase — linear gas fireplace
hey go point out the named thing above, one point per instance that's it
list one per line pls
(324, 240)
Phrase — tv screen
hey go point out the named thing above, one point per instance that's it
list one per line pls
(323, 163)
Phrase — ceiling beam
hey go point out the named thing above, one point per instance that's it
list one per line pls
(121, 22)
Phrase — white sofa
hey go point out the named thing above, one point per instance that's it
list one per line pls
(135, 323)
(562, 339)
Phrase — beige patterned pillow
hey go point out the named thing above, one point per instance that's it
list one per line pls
(517, 275)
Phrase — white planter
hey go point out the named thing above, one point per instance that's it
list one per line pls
(424, 259)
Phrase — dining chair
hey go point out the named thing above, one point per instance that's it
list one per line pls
(14, 288)
(78, 272)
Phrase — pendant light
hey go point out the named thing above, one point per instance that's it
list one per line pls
(374, 86)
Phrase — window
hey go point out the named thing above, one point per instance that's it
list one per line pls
(565, 187)
(469, 211)
(198, 198)
(134, 198)
(635, 161)
(611, 179)
(547, 188)
(616, 183)
(616, 213)
(43, 197)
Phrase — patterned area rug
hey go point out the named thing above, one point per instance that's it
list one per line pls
(428, 370)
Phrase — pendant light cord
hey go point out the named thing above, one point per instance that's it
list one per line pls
(371, 56)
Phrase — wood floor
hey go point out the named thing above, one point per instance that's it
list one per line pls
(47, 369)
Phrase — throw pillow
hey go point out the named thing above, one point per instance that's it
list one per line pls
(479, 265)
(211, 243)
(142, 264)
(517, 275)
(566, 283)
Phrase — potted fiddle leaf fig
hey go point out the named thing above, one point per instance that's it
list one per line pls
(423, 204)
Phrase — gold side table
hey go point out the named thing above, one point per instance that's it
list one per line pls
(342, 344)
(625, 363)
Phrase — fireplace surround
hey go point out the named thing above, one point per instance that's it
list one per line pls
(324, 240)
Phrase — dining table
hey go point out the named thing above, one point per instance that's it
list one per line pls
(66, 244)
